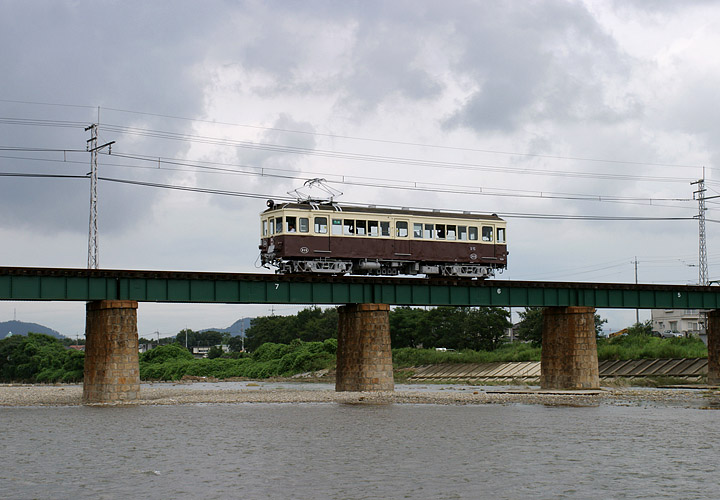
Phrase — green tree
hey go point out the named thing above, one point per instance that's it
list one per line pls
(463, 327)
(405, 326)
(263, 329)
(164, 353)
(215, 352)
(38, 358)
(599, 322)
(641, 328)
(315, 324)
(236, 343)
(484, 328)
(310, 325)
(531, 324)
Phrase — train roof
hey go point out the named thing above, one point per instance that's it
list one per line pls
(336, 208)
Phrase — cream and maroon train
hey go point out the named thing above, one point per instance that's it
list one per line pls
(333, 239)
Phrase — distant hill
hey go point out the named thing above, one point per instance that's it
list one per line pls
(238, 328)
(22, 328)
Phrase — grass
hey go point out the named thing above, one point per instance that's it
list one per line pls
(642, 346)
(408, 357)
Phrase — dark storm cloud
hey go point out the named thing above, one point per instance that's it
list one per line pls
(378, 44)
(104, 55)
(535, 61)
(543, 60)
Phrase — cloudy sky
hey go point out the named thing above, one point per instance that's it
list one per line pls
(595, 115)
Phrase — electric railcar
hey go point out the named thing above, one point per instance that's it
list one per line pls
(333, 239)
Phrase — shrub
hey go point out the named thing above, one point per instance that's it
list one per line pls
(164, 353)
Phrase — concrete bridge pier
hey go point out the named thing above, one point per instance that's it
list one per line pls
(364, 358)
(112, 370)
(713, 344)
(569, 350)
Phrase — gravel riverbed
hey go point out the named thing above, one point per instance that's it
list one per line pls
(178, 394)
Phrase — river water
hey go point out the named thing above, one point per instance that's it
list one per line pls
(359, 451)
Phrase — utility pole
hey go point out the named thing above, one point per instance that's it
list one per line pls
(702, 240)
(93, 148)
(637, 311)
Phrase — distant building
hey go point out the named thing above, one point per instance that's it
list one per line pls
(146, 347)
(689, 322)
(77, 347)
(202, 352)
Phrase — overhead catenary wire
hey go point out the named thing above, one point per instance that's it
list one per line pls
(356, 138)
(146, 132)
(405, 161)
(287, 198)
(348, 180)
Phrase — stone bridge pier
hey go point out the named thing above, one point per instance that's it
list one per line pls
(112, 370)
(364, 358)
(569, 350)
(713, 344)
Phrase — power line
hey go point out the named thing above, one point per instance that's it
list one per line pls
(357, 138)
(407, 185)
(402, 143)
(354, 156)
(405, 161)
(41, 122)
(48, 104)
(518, 215)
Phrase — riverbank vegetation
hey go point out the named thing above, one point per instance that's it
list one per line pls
(39, 358)
(173, 362)
(283, 346)
(644, 346)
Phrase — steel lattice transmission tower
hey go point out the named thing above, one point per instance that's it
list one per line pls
(702, 252)
(93, 148)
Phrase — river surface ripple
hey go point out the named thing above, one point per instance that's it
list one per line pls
(359, 451)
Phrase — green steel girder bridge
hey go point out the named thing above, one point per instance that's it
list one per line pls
(68, 284)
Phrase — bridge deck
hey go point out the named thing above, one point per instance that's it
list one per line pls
(169, 286)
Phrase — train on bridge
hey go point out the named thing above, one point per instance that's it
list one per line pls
(327, 238)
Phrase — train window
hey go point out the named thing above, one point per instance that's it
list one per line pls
(440, 231)
(348, 227)
(337, 226)
(501, 235)
(451, 232)
(487, 233)
(384, 228)
(272, 225)
(278, 224)
(291, 222)
(401, 229)
(428, 233)
(473, 233)
(304, 225)
(462, 233)
(361, 227)
(321, 225)
(373, 228)
(417, 230)
(264, 227)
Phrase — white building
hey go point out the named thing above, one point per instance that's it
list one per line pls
(202, 352)
(686, 321)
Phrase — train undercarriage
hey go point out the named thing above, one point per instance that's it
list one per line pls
(382, 268)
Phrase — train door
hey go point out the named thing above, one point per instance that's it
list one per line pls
(500, 244)
(401, 237)
(321, 235)
(488, 242)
